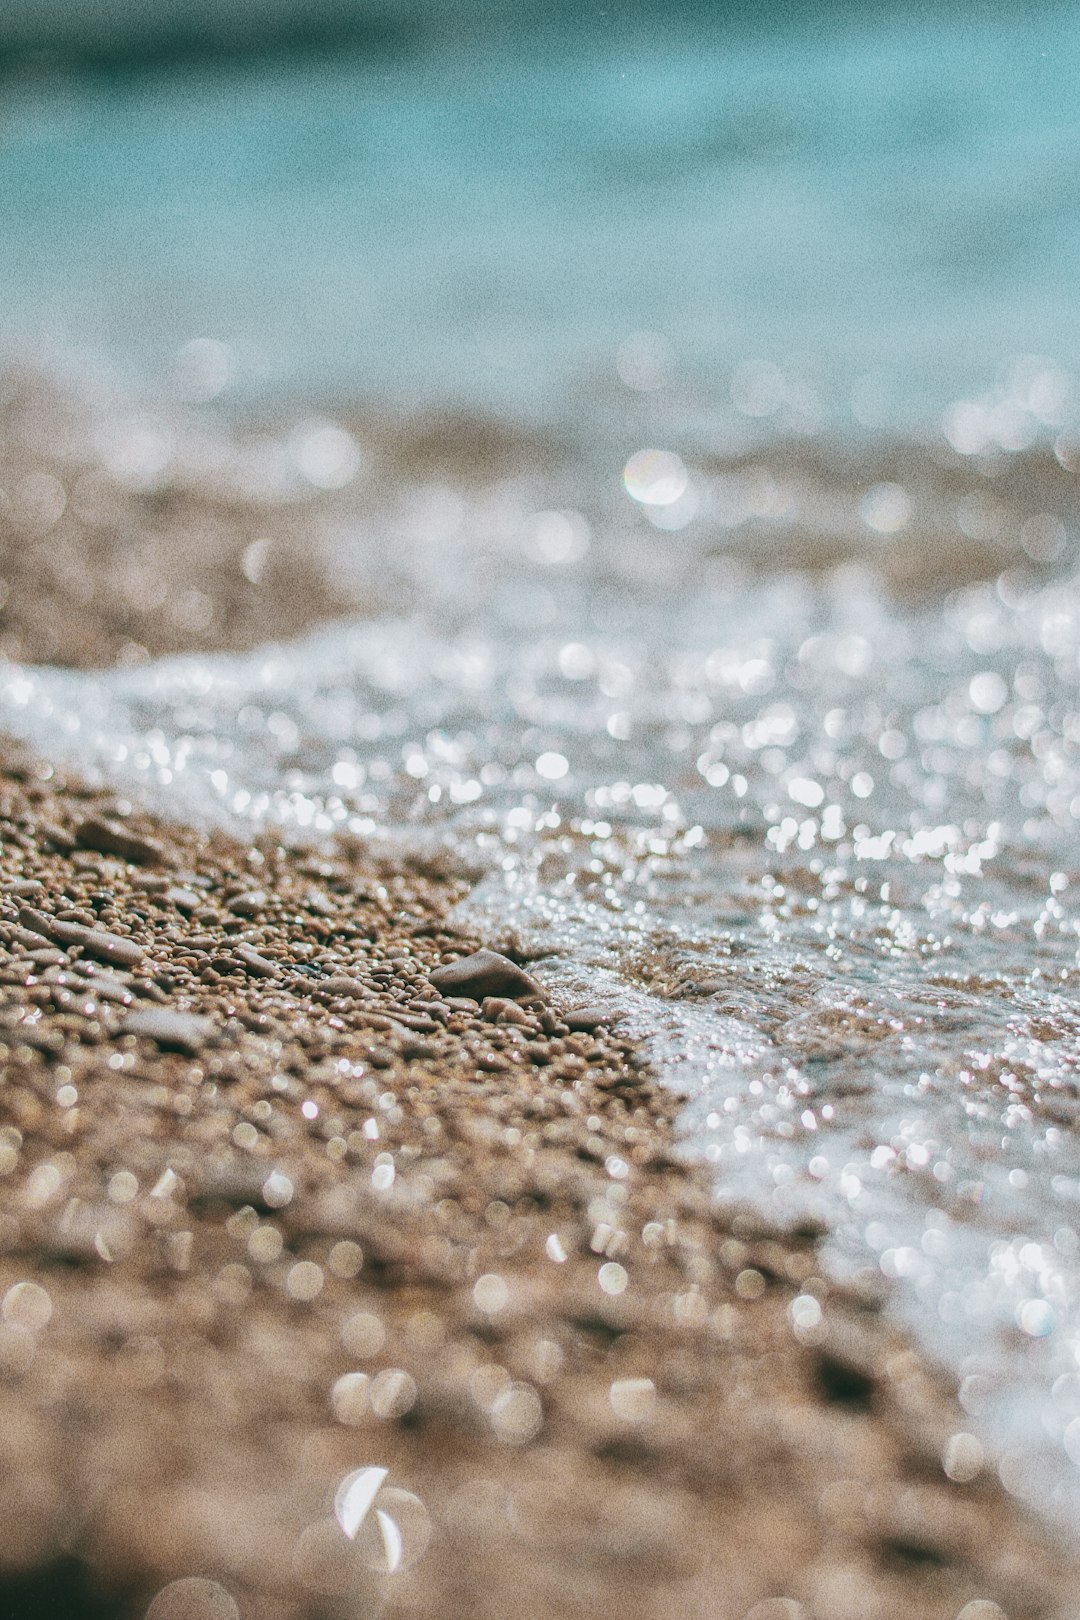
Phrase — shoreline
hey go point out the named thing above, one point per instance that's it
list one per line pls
(636, 1413)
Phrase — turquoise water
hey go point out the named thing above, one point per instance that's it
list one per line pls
(887, 204)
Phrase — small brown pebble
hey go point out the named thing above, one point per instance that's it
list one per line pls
(107, 947)
(177, 1031)
(485, 973)
(259, 966)
(183, 899)
(425, 1026)
(249, 904)
(149, 882)
(339, 984)
(111, 838)
(497, 1010)
(24, 888)
(109, 990)
(583, 1020)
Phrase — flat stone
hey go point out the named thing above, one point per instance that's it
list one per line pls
(339, 984)
(113, 948)
(415, 1021)
(110, 837)
(485, 973)
(249, 904)
(260, 967)
(24, 888)
(177, 1031)
(184, 899)
(583, 1020)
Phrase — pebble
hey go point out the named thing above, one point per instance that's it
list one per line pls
(107, 947)
(25, 888)
(260, 967)
(583, 1020)
(339, 984)
(249, 904)
(112, 838)
(415, 1021)
(483, 974)
(183, 899)
(498, 1010)
(177, 1031)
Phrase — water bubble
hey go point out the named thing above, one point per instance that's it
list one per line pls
(265, 1244)
(491, 1294)
(1036, 1317)
(389, 1527)
(655, 477)
(553, 538)
(963, 1458)
(137, 452)
(304, 1281)
(613, 1278)
(277, 1190)
(777, 1608)
(325, 453)
(805, 1313)
(749, 1284)
(552, 767)
(27, 1305)
(982, 1609)
(346, 1259)
(254, 559)
(392, 1393)
(193, 1598)
(633, 1399)
(886, 508)
(349, 1398)
(363, 1335)
(516, 1414)
(987, 692)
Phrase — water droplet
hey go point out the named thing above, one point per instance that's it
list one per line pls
(193, 1598)
(655, 477)
(491, 1294)
(27, 1305)
(613, 1278)
(389, 1527)
(349, 1398)
(392, 1393)
(633, 1399)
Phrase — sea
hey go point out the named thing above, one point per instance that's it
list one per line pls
(749, 697)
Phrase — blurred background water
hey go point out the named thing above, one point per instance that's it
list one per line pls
(754, 696)
(881, 204)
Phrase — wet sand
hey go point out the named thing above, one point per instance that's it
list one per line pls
(272, 1210)
(128, 535)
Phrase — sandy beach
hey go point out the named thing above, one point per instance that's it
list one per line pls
(275, 1209)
